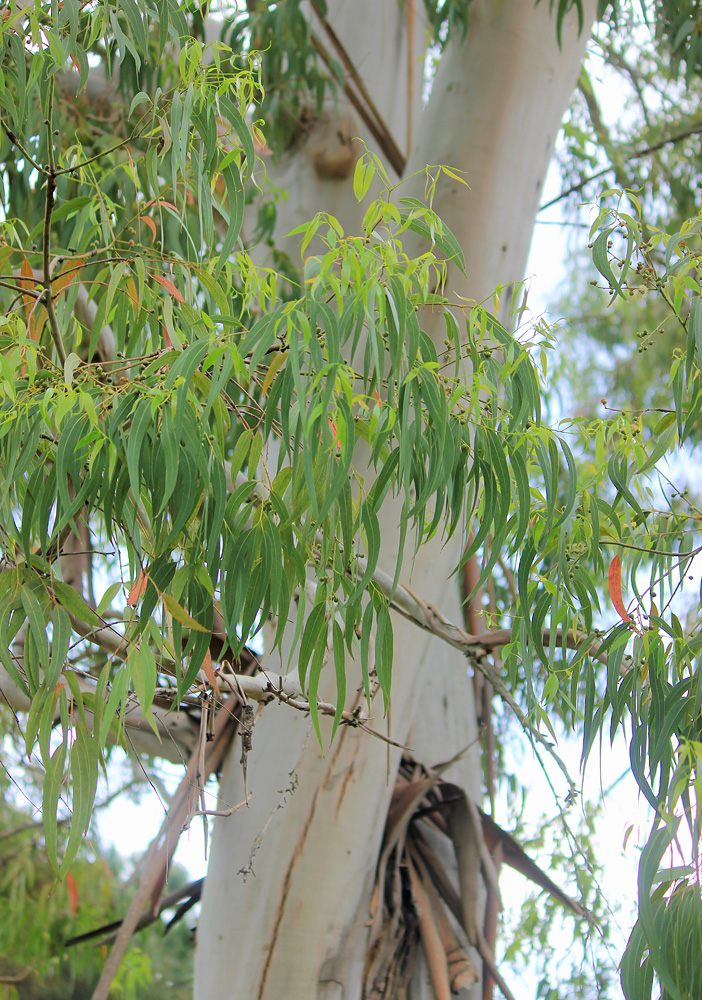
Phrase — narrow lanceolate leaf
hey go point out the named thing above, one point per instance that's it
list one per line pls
(615, 588)
(84, 774)
(53, 782)
(169, 286)
(275, 366)
(180, 614)
(339, 666)
(60, 639)
(142, 667)
(72, 601)
(600, 258)
(37, 625)
(314, 626)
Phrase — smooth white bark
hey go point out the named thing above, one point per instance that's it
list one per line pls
(494, 113)
(296, 926)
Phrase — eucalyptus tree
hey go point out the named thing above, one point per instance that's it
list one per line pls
(260, 378)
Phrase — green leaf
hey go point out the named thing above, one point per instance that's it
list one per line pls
(340, 669)
(438, 234)
(314, 626)
(142, 668)
(37, 625)
(72, 601)
(60, 641)
(53, 782)
(84, 774)
(600, 257)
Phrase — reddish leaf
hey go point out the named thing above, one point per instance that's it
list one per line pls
(27, 273)
(335, 434)
(615, 588)
(169, 286)
(132, 293)
(150, 223)
(68, 274)
(72, 887)
(137, 590)
(160, 201)
(209, 670)
(34, 312)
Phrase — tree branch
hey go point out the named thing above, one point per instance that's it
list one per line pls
(25, 153)
(162, 847)
(602, 132)
(369, 113)
(636, 155)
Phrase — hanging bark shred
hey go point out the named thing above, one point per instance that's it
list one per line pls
(415, 895)
(431, 938)
(462, 972)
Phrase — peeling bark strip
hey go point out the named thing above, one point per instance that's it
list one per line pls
(364, 105)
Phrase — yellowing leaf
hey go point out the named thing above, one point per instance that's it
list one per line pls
(180, 614)
(275, 367)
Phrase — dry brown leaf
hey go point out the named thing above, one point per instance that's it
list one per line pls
(431, 938)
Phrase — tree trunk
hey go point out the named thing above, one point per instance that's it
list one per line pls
(286, 904)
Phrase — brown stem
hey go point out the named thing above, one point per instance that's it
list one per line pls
(165, 842)
(369, 113)
(27, 155)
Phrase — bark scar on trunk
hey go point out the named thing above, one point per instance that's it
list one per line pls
(284, 895)
(340, 739)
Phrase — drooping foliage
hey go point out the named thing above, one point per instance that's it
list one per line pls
(230, 436)
(205, 428)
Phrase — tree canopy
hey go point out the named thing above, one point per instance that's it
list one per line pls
(199, 432)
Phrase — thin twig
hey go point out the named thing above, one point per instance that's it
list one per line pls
(136, 134)
(25, 153)
(636, 155)
(223, 812)
(475, 647)
(347, 718)
(48, 212)
(22, 291)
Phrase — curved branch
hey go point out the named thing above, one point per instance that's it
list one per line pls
(636, 155)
